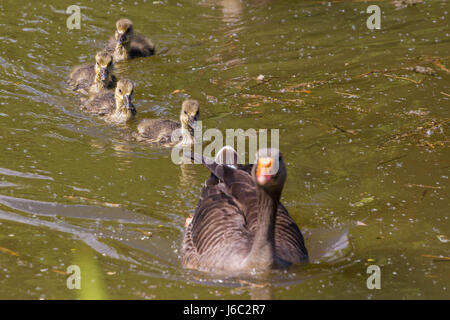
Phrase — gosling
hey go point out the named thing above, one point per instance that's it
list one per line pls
(159, 131)
(127, 45)
(92, 79)
(117, 106)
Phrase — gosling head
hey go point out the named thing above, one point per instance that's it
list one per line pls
(124, 31)
(123, 94)
(103, 67)
(190, 113)
(269, 171)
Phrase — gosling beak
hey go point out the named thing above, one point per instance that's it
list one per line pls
(103, 74)
(127, 102)
(121, 38)
(191, 121)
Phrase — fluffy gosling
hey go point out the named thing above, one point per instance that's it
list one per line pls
(94, 78)
(159, 131)
(127, 45)
(117, 106)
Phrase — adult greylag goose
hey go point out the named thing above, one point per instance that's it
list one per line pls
(114, 106)
(93, 78)
(159, 131)
(239, 223)
(127, 45)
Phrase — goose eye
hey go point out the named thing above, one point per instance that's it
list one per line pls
(120, 90)
(185, 112)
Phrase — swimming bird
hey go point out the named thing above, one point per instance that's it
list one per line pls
(160, 131)
(127, 45)
(239, 224)
(114, 106)
(95, 77)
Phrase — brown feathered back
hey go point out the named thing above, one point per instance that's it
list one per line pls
(141, 47)
(156, 130)
(221, 232)
(101, 104)
(81, 78)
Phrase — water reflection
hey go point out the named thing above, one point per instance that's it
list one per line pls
(232, 10)
(84, 235)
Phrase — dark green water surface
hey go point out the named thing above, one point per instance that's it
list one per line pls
(365, 141)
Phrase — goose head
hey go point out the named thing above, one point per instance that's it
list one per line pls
(227, 156)
(124, 32)
(190, 113)
(103, 68)
(123, 96)
(269, 171)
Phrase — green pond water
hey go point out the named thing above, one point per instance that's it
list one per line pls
(365, 141)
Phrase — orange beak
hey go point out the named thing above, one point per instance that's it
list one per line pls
(263, 174)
